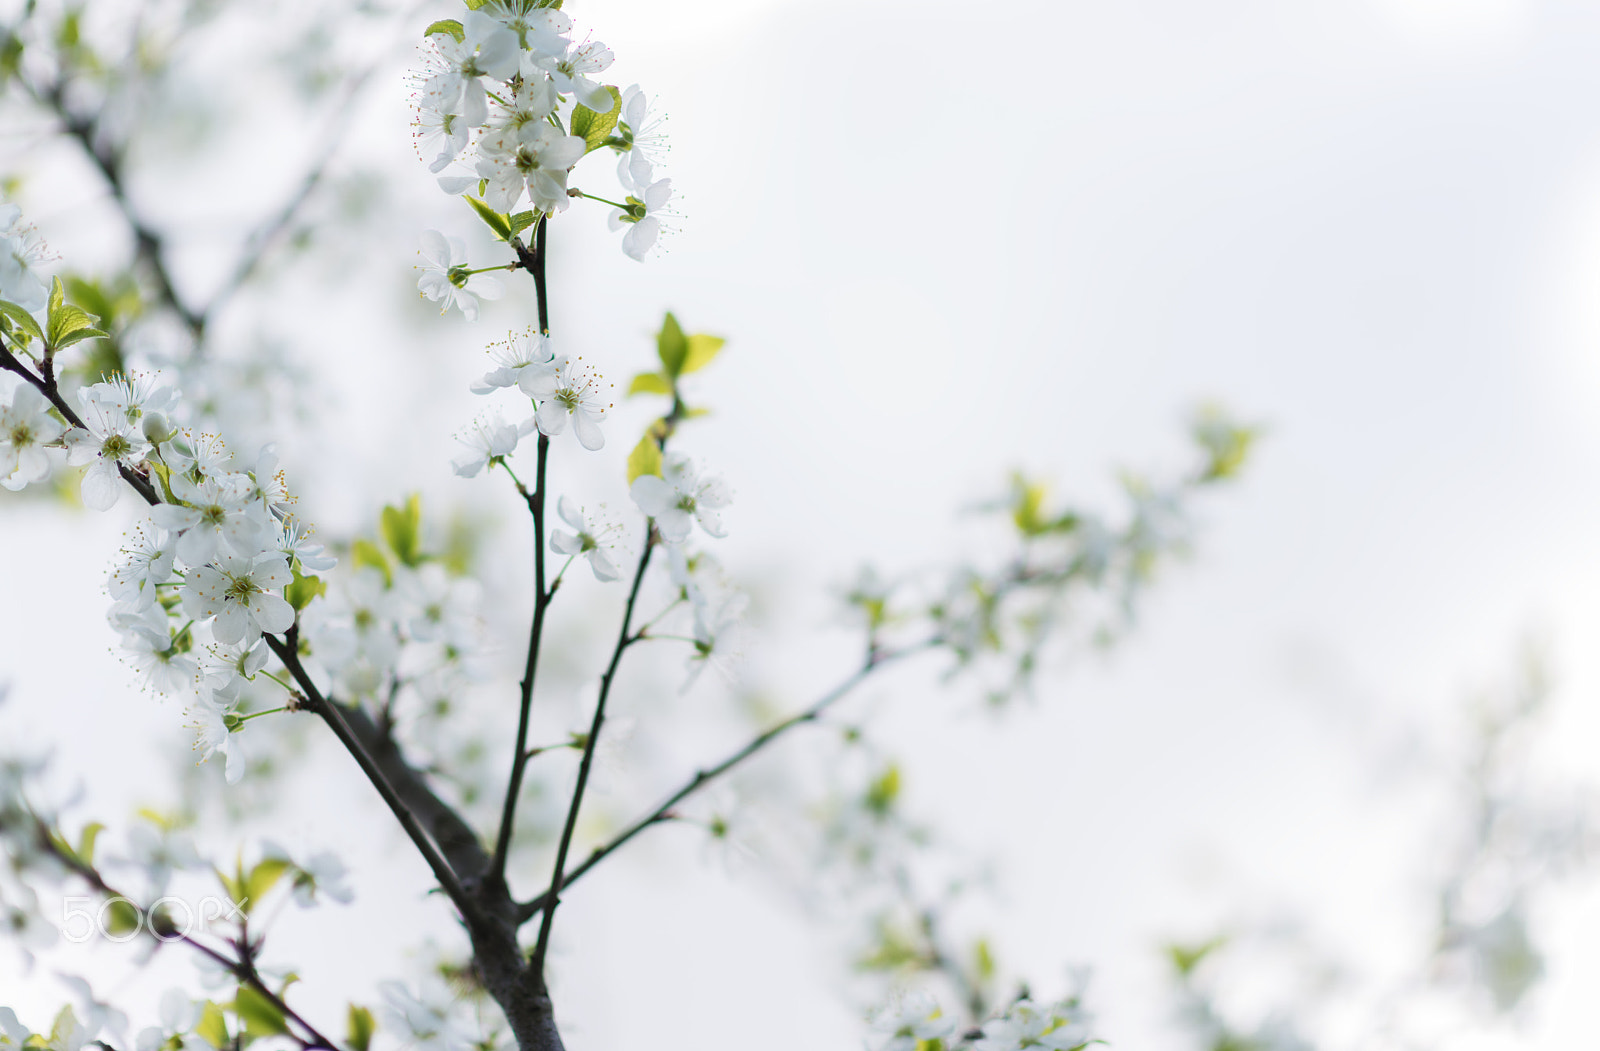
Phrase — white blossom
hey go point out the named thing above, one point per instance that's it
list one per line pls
(211, 724)
(569, 72)
(219, 516)
(642, 217)
(645, 135)
(146, 563)
(21, 255)
(679, 497)
(915, 1017)
(432, 1021)
(107, 440)
(1027, 1024)
(534, 157)
(444, 277)
(585, 539)
(179, 1015)
(26, 427)
(518, 360)
(241, 594)
(488, 437)
(570, 390)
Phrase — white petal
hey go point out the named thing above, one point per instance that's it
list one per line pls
(588, 431)
(653, 495)
(570, 513)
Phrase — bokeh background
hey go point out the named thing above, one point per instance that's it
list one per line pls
(946, 241)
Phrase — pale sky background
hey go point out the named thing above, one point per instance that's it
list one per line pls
(945, 241)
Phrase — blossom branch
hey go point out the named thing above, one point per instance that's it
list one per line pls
(541, 602)
(624, 640)
(47, 386)
(664, 812)
(243, 969)
(332, 714)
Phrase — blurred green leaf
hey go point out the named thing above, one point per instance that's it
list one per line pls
(650, 383)
(261, 1017)
(645, 459)
(402, 530)
(702, 349)
(359, 1027)
(672, 346)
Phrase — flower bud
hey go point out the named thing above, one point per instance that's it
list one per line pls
(157, 428)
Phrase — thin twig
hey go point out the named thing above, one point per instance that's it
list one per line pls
(663, 812)
(624, 640)
(541, 602)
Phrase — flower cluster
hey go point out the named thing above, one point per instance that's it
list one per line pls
(204, 577)
(507, 103)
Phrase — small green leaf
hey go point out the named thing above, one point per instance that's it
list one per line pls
(671, 345)
(66, 324)
(650, 383)
(122, 916)
(645, 459)
(446, 25)
(23, 319)
(702, 349)
(473, 5)
(261, 1016)
(303, 589)
(491, 218)
(595, 127)
(983, 960)
(359, 1028)
(522, 220)
(86, 839)
(213, 1027)
(79, 334)
(402, 530)
(366, 553)
(883, 791)
(259, 883)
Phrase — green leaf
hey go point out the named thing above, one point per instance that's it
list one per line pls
(1185, 958)
(303, 589)
(261, 1016)
(702, 349)
(595, 127)
(522, 220)
(446, 25)
(473, 5)
(66, 323)
(672, 346)
(491, 218)
(645, 459)
(650, 383)
(359, 1028)
(883, 791)
(86, 839)
(213, 1027)
(78, 334)
(402, 530)
(23, 319)
(122, 916)
(983, 960)
(366, 553)
(261, 880)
